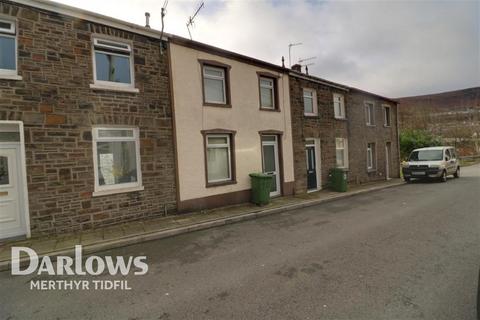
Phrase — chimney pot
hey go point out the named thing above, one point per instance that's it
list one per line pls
(147, 20)
(297, 67)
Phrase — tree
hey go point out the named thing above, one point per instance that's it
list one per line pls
(411, 139)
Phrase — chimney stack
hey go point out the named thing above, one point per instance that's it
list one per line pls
(297, 67)
(147, 20)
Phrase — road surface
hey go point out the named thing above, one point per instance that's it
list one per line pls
(409, 252)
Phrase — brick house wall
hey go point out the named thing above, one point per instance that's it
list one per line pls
(360, 135)
(323, 126)
(58, 110)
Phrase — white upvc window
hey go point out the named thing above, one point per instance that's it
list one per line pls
(219, 164)
(8, 49)
(387, 116)
(370, 113)
(339, 106)
(341, 151)
(267, 93)
(116, 159)
(310, 102)
(214, 84)
(371, 156)
(113, 64)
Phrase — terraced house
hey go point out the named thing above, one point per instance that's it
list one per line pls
(86, 135)
(232, 118)
(337, 126)
(103, 121)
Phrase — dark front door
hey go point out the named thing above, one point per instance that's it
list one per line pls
(311, 168)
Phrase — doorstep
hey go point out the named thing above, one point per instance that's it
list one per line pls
(152, 229)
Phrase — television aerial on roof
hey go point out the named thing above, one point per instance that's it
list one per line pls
(190, 21)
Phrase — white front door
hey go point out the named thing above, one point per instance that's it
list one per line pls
(11, 216)
(270, 161)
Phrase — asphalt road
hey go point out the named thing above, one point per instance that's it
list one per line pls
(409, 252)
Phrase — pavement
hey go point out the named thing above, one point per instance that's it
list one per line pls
(408, 252)
(158, 228)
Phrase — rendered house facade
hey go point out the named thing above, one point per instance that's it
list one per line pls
(86, 135)
(232, 118)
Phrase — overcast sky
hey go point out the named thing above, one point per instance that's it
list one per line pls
(393, 48)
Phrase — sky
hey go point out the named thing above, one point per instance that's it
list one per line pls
(392, 48)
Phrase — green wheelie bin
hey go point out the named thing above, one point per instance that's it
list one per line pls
(261, 186)
(338, 180)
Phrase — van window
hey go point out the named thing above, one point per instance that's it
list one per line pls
(426, 155)
(447, 154)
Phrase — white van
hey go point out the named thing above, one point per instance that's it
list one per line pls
(433, 163)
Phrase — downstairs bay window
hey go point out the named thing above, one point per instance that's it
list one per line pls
(116, 158)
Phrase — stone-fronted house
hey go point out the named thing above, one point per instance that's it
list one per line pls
(335, 126)
(86, 131)
(318, 126)
(374, 151)
(232, 118)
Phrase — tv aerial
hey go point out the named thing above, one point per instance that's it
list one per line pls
(191, 19)
(290, 52)
(302, 63)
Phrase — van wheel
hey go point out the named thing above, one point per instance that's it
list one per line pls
(443, 178)
(457, 173)
(407, 180)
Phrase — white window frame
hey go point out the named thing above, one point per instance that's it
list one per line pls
(124, 46)
(370, 115)
(122, 187)
(341, 107)
(10, 33)
(345, 152)
(373, 154)
(218, 146)
(385, 108)
(209, 76)
(270, 87)
(314, 102)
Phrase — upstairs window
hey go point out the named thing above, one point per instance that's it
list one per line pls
(370, 113)
(113, 63)
(309, 102)
(214, 84)
(8, 48)
(387, 116)
(267, 93)
(339, 106)
(116, 159)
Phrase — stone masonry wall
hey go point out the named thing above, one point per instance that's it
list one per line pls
(59, 109)
(323, 126)
(360, 135)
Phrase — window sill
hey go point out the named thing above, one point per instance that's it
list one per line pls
(269, 109)
(310, 115)
(341, 119)
(113, 88)
(385, 126)
(371, 170)
(11, 77)
(115, 191)
(220, 183)
(218, 105)
(371, 125)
